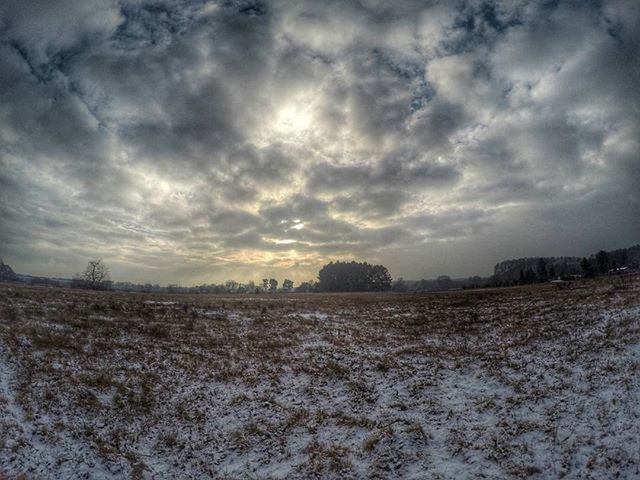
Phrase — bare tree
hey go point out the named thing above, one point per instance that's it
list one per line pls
(96, 275)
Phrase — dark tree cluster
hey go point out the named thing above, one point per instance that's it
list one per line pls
(536, 270)
(353, 277)
(307, 287)
(6, 272)
(522, 271)
(612, 263)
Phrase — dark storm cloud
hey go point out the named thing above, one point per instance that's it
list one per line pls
(197, 140)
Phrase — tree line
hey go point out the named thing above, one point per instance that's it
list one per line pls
(525, 271)
(333, 277)
(364, 277)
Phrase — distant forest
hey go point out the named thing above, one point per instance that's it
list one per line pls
(364, 277)
(541, 269)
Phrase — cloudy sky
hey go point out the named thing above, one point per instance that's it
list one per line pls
(197, 141)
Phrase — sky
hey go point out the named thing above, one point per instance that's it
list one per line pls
(198, 141)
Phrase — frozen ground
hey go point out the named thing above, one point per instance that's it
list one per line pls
(514, 383)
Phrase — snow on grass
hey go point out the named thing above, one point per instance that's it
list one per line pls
(515, 383)
(312, 315)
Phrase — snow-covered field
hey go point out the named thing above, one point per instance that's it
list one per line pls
(534, 382)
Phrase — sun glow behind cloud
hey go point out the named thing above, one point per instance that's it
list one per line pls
(293, 119)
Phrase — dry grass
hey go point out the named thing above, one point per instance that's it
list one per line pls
(508, 383)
